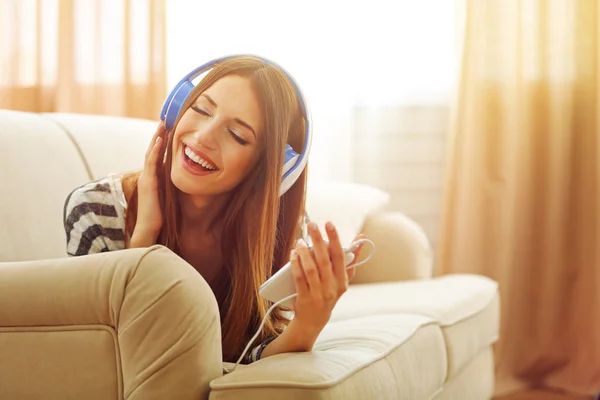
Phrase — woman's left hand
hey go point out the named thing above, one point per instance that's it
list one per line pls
(321, 278)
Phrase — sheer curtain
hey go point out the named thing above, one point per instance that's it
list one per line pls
(523, 184)
(84, 56)
(377, 75)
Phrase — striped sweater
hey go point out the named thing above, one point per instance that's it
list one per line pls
(94, 220)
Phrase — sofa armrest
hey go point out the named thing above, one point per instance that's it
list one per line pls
(161, 311)
(402, 250)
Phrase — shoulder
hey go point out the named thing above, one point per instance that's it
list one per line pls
(101, 197)
(93, 217)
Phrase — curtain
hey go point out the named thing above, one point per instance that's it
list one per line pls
(522, 184)
(378, 80)
(83, 56)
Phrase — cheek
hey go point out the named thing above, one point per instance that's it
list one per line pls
(238, 161)
(185, 124)
(174, 144)
(174, 150)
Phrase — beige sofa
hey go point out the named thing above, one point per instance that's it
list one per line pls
(142, 324)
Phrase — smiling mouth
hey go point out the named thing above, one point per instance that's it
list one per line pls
(196, 162)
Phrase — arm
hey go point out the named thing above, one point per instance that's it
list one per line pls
(320, 279)
(295, 338)
(143, 238)
(403, 252)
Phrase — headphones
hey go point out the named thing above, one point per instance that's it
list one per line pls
(294, 163)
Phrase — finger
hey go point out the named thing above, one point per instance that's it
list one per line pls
(163, 146)
(357, 250)
(336, 252)
(155, 158)
(321, 254)
(351, 272)
(159, 139)
(160, 130)
(298, 274)
(308, 266)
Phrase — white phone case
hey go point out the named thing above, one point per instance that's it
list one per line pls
(281, 284)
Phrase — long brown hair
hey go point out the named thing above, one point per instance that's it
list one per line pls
(259, 227)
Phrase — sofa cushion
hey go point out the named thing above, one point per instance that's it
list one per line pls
(395, 356)
(474, 381)
(345, 204)
(465, 306)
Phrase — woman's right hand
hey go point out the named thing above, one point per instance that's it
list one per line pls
(149, 214)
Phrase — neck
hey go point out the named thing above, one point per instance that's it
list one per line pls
(200, 214)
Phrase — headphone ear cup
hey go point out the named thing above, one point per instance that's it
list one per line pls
(289, 160)
(165, 107)
(290, 171)
(178, 97)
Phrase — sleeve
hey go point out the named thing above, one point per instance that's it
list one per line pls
(255, 354)
(91, 221)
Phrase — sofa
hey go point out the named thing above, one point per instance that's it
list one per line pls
(143, 324)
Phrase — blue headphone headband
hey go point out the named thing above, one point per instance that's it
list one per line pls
(294, 163)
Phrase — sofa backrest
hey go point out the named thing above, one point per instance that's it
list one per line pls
(107, 144)
(46, 156)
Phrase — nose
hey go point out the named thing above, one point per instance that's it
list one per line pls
(206, 135)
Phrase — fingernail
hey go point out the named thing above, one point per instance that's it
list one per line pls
(293, 255)
(157, 139)
(312, 226)
(300, 243)
(329, 226)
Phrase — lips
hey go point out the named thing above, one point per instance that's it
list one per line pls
(193, 167)
(199, 157)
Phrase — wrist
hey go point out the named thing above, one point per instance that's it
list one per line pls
(304, 335)
(297, 337)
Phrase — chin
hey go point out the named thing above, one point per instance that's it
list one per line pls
(187, 183)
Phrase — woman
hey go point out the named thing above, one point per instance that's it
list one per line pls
(213, 199)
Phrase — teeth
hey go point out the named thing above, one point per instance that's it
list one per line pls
(196, 158)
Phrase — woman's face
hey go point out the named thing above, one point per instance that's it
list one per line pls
(215, 144)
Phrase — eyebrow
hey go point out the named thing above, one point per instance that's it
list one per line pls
(239, 121)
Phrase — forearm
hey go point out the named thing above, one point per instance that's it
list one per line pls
(295, 338)
(142, 238)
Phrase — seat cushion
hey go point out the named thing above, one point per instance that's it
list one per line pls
(465, 306)
(474, 381)
(371, 356)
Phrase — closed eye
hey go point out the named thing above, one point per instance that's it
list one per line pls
(200, 111)
(237, 138)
